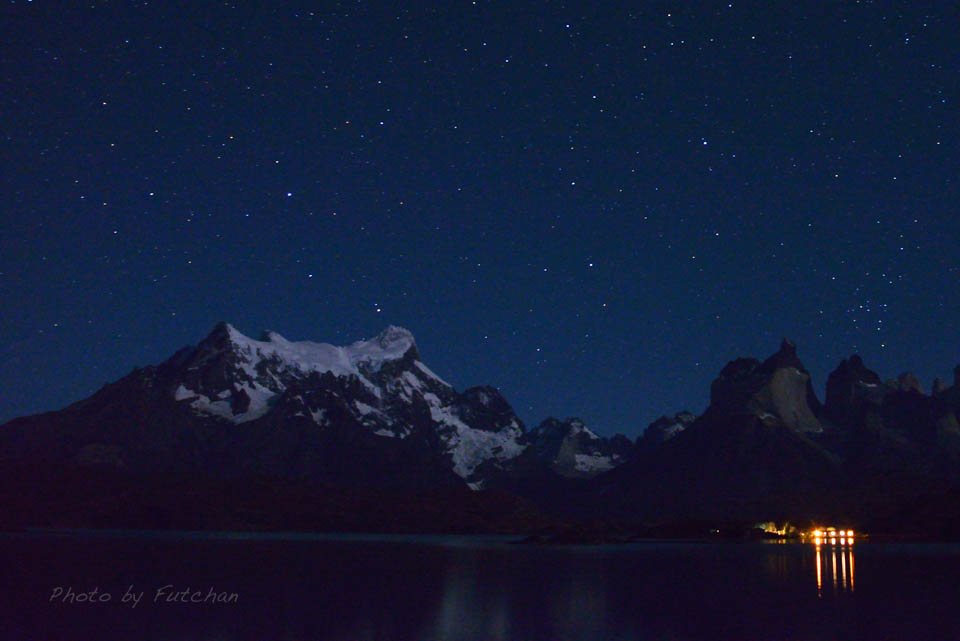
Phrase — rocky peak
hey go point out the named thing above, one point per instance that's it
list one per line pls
(213, 366)
(397, 340)
(221, 339)
(852, 370)
(739, 368)
(666, 427)
(786, 356)
(484, 396)
(270, 336)
(573, 450)
(236, 377)
(777, 389)
(550, 428)
(907, 382)
(848, 384)
(485, 406)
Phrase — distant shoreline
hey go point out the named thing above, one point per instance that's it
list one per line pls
(553, 540)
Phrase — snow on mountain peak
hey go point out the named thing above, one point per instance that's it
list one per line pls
(250, 375)
(270, 336)
(393, 343)
(394, 337)
(262, 367)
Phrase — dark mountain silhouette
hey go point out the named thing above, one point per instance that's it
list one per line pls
(271, 433)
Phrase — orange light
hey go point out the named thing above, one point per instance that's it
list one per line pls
(843, 568)
(819, 564)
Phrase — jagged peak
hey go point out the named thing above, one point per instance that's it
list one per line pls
(394, 333)
(392, 344)
(854, 367)
(849, 381)
(746, 367)
(572, 425)
(484, 394)
(270, 336)
(666, 427)
(908, 381)
(394, 339)
(739, 367)
(780, 387)
(786, 356)
(549, 423)
(577, 426)
(222, 336)
(680, 417)
(222, 328)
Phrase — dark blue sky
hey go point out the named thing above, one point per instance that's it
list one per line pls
(591, 206)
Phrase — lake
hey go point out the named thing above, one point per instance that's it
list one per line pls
(355, 588)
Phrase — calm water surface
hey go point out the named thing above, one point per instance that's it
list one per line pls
(468, 588)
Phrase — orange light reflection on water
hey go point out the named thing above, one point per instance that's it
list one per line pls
(819, 571)
(843, 566)
(840, 558)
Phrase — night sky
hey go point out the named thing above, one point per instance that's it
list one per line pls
(591, 206)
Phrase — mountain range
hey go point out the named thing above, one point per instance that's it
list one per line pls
(276, 434)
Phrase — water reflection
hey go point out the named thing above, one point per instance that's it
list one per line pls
(468, 590)
(475, 602)
(466, 609)
(835, 558)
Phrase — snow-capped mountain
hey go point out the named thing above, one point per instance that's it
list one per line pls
(237, 405)
(322, 436)
(573, 450)
(240, 379)
(380, 384)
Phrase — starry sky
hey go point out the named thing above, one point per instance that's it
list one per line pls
(591, 206)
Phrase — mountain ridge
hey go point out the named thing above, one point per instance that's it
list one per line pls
(371, 416)
(367, 391)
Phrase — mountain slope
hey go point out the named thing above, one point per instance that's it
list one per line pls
(752, 453)
(370, 413)
(359, 431)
